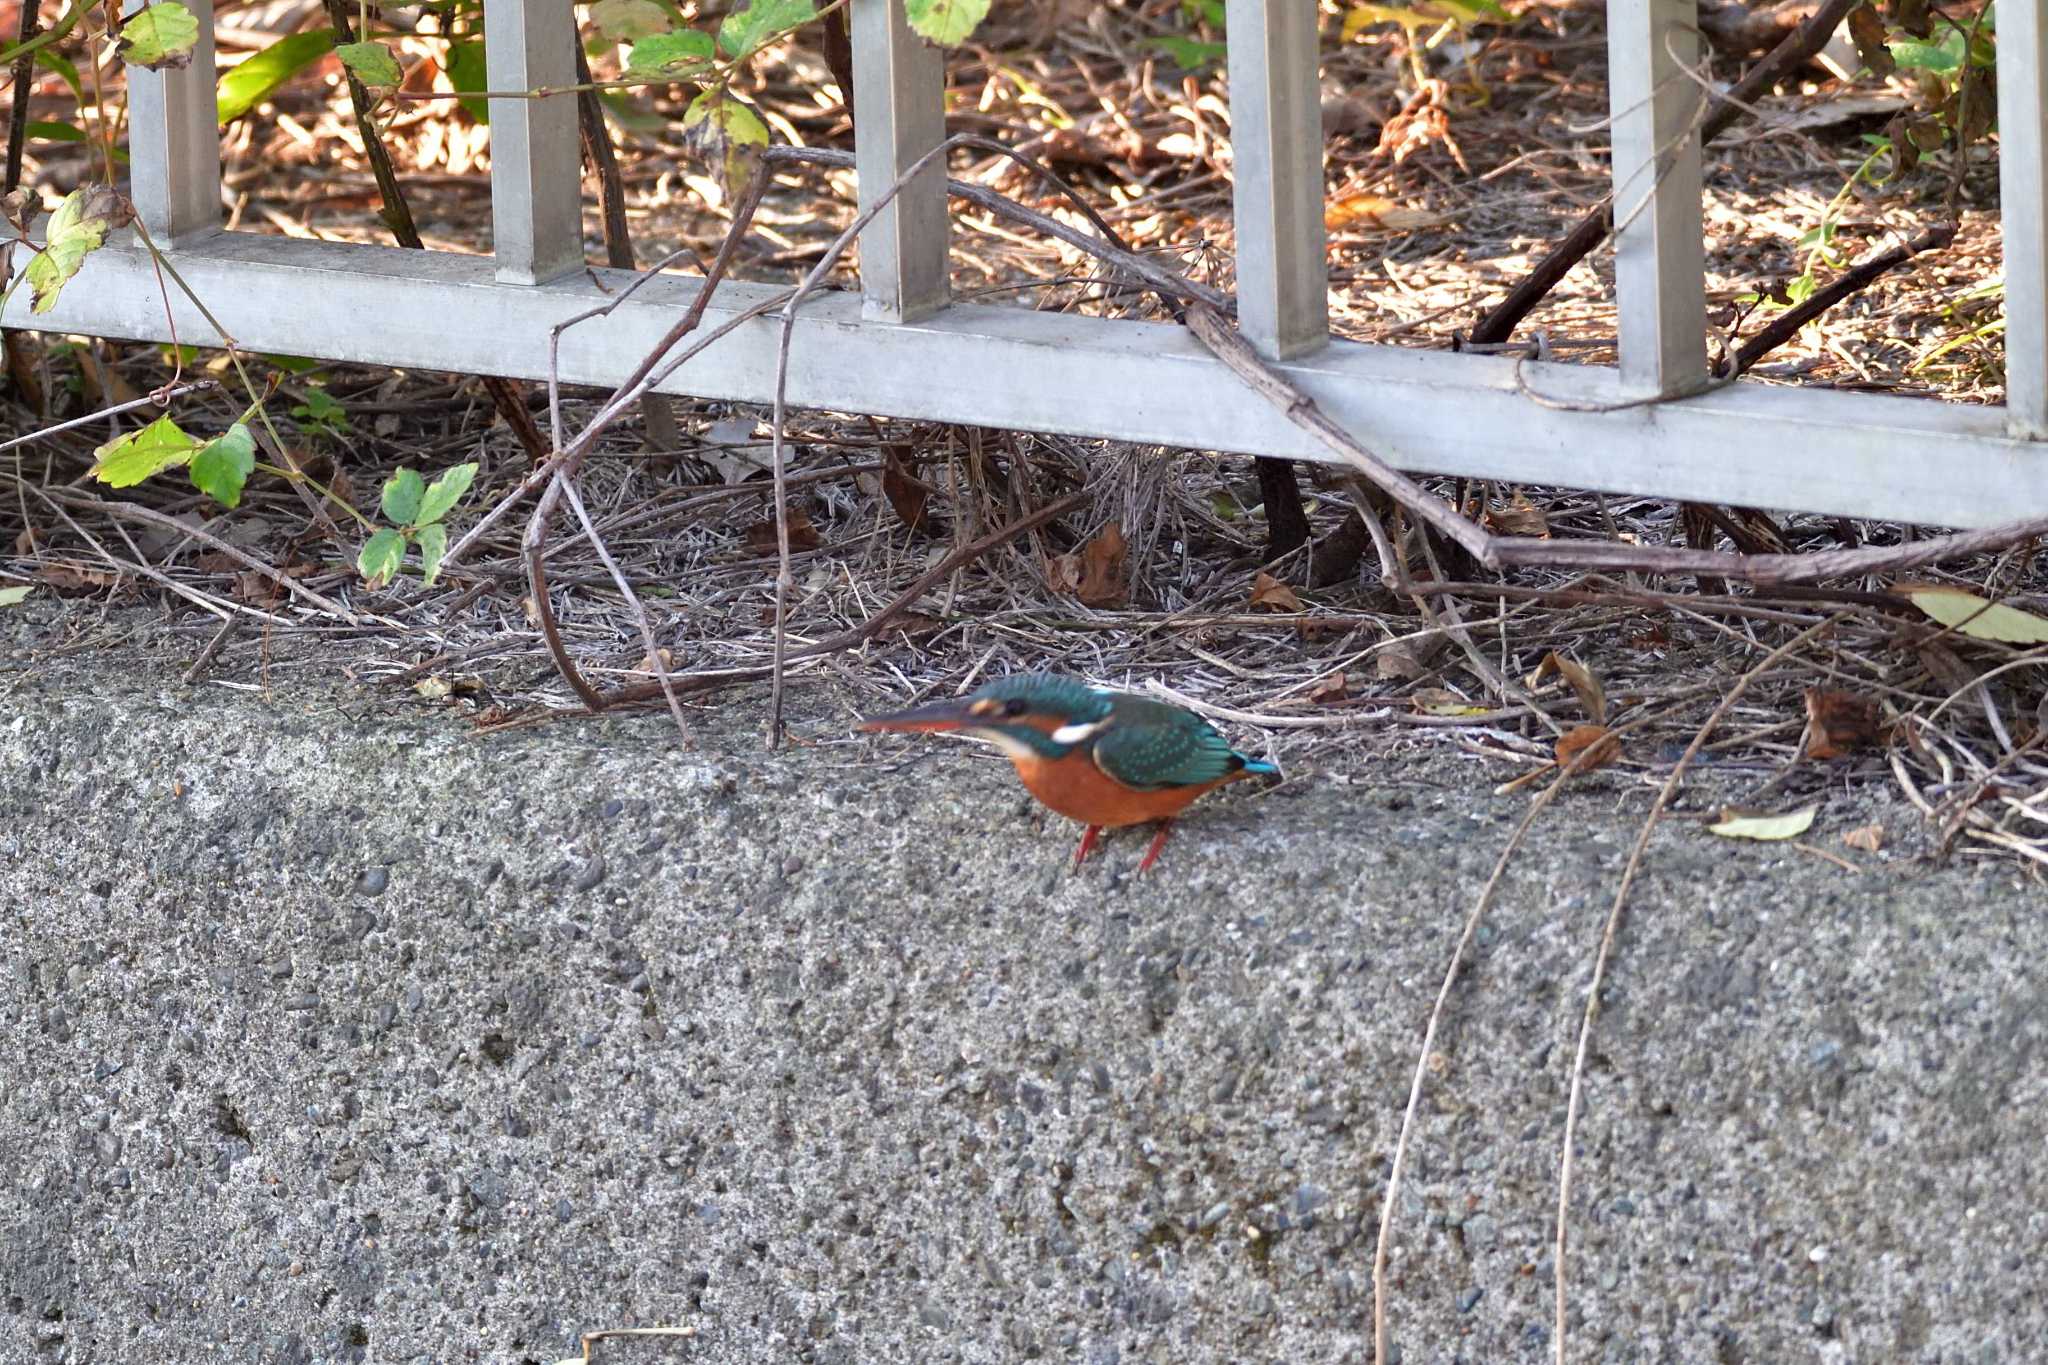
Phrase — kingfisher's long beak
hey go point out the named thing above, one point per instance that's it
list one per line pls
(938, 716)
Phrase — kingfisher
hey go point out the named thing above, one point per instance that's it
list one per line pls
(1107, 759)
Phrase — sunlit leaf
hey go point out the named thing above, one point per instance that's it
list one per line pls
(625, 21)
(681, 54)
(160, 37)
(746, 31)
(1746, 825)
(727, 135)
(403, 493)
(14, 597)
(78, 226)
(127, 460)
(1581, 679)
(441, 497)
(381, 556)
(946, 22)
(249, 83)
(371, 63)
(1971, 615)
(468, 75)
(1598, 745)
(433, 543)
(223, 465)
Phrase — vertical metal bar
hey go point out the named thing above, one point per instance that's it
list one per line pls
(899, 95)
(174, 140)
(1276, 142)
(2023, 213)
(536, 179)
(1659, 264)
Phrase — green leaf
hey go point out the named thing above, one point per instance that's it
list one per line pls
(1748, 825)
(159, 37)
(625, 21)
(249, 83)
(682, 54)
(1189, 54)
(433, 542)
(467, 73)
(403, 492)
(372, 63)
(77, 228)
(946, 22)
(56, 61)
(381, 556)
(127, 460)
(13, 597)
(1975, 617)
(727, 135)
(45, 131)
(444, 493)
(1469, 12)
(1941, 58)
(747, 31)
(224, 464)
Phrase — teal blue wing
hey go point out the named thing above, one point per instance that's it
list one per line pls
(1186, 752)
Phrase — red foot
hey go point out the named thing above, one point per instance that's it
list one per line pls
(1158, 842)
(1087, 846)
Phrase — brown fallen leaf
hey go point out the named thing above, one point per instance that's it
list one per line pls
(1838, 723)
(1407, 661)
(1599, 744)
(667, 657)
(1367, 210)
(1519, 518)
(1865, 838)
(906, 493)
(1329, 688)
(802, 535)
(1270, 594)
(25, 544)
(1587, 687)
(1094, 573)
(1441, 701)
(73, 578)
(1655, 636)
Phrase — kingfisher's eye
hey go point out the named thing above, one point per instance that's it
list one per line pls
(1016, 706)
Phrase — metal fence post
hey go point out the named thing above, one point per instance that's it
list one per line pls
(174, 140)
(1276, 142)
(536, 177)
(2023, 212)
(899, 92)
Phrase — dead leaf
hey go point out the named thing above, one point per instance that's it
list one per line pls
(1095, 573)
(802, 535)
(1366, 210)
(1270, 594)
(1603, 743)
(1519, 518)
(647, 661)
(1655, 637)
(1741, 824)
(1329, 688)
(907, 494)
(1975, 617)
(433, 688)
(1838, 723)
(25, 544)
(1587, 687)
(1439, 701)
(1407, 660)
(1865, 838)
(73, 578)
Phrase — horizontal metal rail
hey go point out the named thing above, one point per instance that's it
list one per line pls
(1426, 411)
(903, 350)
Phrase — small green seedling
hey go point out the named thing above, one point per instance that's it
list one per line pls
(415, 509)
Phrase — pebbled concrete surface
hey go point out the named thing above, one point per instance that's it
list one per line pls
(332, 1032)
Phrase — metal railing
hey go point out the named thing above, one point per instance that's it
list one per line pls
(903, 349)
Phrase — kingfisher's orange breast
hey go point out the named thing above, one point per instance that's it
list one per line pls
(1074, 787)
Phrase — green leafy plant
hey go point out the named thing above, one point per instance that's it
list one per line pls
(321, 412)
(219, 466)
(415, 510)
(1191, 53)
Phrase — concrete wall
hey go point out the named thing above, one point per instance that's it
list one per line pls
(352, 1037)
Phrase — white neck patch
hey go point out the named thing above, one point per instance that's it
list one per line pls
(1074, 734)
